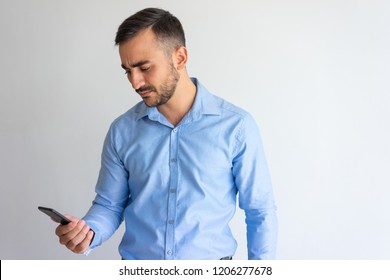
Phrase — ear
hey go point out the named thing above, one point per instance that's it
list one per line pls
(181, 57)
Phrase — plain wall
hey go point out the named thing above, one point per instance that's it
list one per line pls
(314, 74)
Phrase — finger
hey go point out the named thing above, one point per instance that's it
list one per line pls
(71, 234)
(84, 245)
(62, 230)
(80, 232)
(72, 218)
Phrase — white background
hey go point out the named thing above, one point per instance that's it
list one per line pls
(315, 75)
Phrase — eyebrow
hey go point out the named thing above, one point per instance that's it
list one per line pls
(137, 64)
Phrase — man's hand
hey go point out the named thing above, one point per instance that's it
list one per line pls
(76, 236)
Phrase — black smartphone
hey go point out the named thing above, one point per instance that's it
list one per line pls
(56, 216)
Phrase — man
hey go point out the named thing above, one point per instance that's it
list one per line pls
(173, 164)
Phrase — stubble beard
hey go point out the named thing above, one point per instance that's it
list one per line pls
(167, 89)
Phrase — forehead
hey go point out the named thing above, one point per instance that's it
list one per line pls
(143, 46)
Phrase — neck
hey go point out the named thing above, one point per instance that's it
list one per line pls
(181, 101)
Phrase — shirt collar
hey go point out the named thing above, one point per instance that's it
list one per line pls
(204, 104)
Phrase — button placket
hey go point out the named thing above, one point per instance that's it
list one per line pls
(172, 195)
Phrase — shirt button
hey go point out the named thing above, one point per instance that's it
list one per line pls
(170, 222)
(173, 160)
(174, 130)
(173, 190)
(169, 252)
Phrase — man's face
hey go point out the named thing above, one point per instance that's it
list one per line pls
(150, 71)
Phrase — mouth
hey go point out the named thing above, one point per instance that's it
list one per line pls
(144, 92)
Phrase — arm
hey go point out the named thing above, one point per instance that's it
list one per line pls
(255, 192)
(112, 192)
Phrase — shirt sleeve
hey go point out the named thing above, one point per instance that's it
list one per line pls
(254, 186)
(112, 193)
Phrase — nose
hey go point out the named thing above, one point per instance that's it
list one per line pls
(136, 79)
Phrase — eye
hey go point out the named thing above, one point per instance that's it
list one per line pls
(144, 69)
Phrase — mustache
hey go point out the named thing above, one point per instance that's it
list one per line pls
(145, 88)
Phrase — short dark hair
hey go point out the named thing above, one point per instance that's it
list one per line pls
(167, 28)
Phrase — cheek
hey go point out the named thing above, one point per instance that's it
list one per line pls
(153, 78)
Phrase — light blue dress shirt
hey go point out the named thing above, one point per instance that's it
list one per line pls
(176, 187)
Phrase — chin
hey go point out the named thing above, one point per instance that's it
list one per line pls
(150, 103)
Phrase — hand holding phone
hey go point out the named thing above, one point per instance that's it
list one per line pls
(76, 238)
(55, 215)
